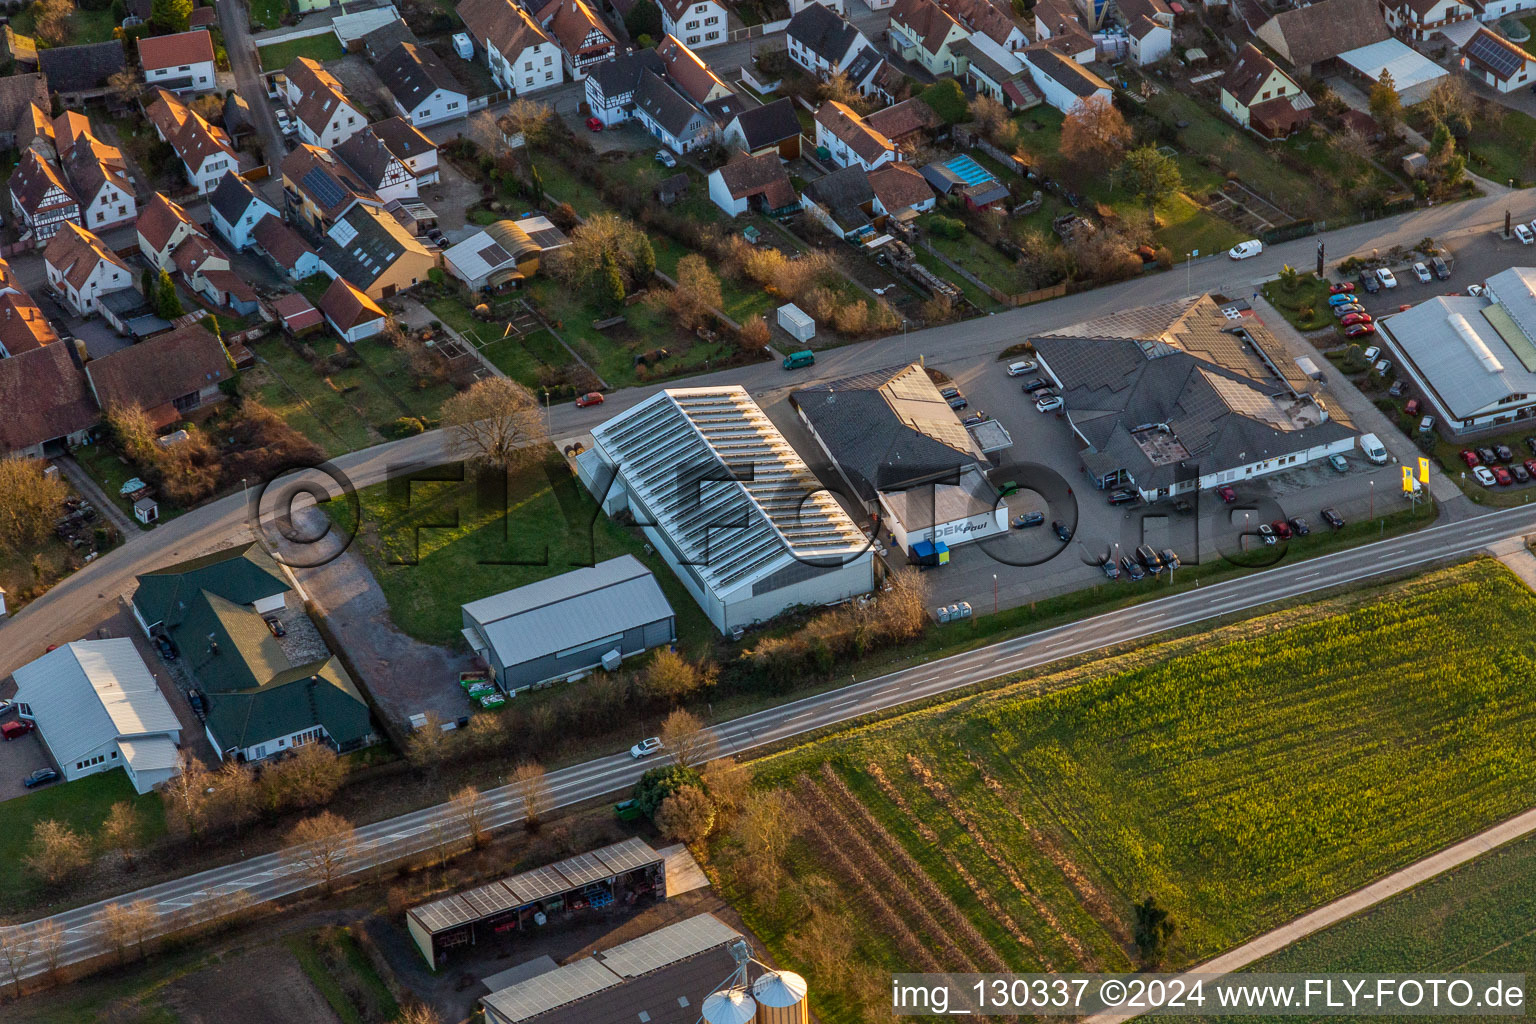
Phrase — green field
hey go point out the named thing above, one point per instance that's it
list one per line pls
(448, 543)
(1240, 777)
(1478, 918)
(267, 14)
(84, 26)
(279, 55)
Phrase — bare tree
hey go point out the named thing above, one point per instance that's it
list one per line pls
(321, 846)
(418, 1013)
(50, 20)
(1094, 135)
(116, 924)
(307, 779)
(120, 833)
(29, 502)
(428, 745)
(468, 806)
(684, 736)
(688, 814)
(531, 786)
(526, 120)
(57, 851)
(496, 423)
(766, 825)
(697, 293)
(672, 677)
(237, 795)
(726, 782)
(903, 609)
(16, 949)
(123, 86)
(48, 938)
(186, 796)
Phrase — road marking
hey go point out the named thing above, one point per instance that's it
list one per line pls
(803, 714)
(843, 704)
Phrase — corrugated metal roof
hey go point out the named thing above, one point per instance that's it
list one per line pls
(668, 945)
(553, 988)
(574, 609)
(152, 753)
(90, 692)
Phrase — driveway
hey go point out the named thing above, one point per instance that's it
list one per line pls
(235, 21)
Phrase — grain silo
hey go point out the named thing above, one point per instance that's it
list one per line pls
(729, 1006)
(780, 997)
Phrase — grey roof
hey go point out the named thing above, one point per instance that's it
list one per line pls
(621, 74)
(888, 429)
(385, 38)
(1064, 71)
(413, 73)
(769, 124)
(664, 104)
(823, 31)
(81, 68)
(573, 609)
(843, 193)
(367, 255)
(367, 156)
(88, 693)
(233, 196)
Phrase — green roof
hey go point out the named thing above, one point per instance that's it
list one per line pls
(318, 693)
(244, 574)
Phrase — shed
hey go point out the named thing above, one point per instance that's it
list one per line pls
(146, 510)
(569, 624)
(797, 322)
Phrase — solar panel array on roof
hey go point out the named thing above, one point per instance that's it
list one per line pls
(551, 989)
(1492, 54)
(626, 856)
(326, 190)
(494, 255)
(537, 884)
(668, 945)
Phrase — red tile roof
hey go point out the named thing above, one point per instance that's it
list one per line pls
(157, 52)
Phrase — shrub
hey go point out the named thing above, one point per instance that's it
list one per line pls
(661, 782)
(951, 228)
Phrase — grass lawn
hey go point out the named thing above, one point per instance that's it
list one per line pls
(342, 973)
(1240, 776)
(109, 470)
(1498, 149)
(1476, 918)
(267, 14)
(82, 805)
(1304, 302)
(978, 298)
(280, 55)
(84, 26)
(547, 525)
(345, 410)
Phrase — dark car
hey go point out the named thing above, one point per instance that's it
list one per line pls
(1438, 266)
(950, 392)
(1132, 568)
(973, 419)
(1347, 308)
(277, 627)
(1520, 473)
(1226, 494)
(1332, 518)
(1149, 559)
(1123, 497)
(1028, 519)
(1530, 443)
(166, 647)
(1397, 388)
(195, 698)
(1111, 570)
(1171, 558)
(1034, 382)
(1299, 526)
(39, 777)
(1488, 456)
(1041, 394)
(1503, 452)
(1062, 530)
(1369, 283)
(958, 402)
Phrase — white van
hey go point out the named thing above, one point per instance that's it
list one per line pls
(1371, 445)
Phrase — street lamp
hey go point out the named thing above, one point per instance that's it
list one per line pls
(1373, 497)
(1189, 259)
(994, 593)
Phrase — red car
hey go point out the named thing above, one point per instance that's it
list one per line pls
(594, 125)
(1530, 466)
(1359, 330)
(1355, 318)
(15, 730)
(1342, 286)
(1502, 476)
(1411, 407)
(590, 398)
(1282, 529)
(1470, 458)
(1226, 494)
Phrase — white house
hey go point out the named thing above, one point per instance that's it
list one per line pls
(1062, 81)
(182, 62)
(611, 85)
(81, 268)
(162, 226)
(366, 155)
(1419, 20)
(410, 147)
(585, 39)
(821, 41)
(1496, 61)
(1149, 25)
(753, 183)
(40, 198)
(796, 6)
(235, 208)
(204, 149)
(849, 138)
(671, 116)
(697, 23)
(100, 178)
(1258, 95)
(350, 311)
(322, 111)
(424, 90)
(97, 707)
(520, 56)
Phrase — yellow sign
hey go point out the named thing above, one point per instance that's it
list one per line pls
(1423, 471)
(1407, 480)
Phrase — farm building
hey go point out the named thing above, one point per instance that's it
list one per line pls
(569, 624)
(624, 872)
(730, 506)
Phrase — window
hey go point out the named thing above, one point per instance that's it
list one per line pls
(100, 216)
(548, 75)
(710, 21)
(527, 65)
(185, 67)
(548, 61)
(692, 24)
(692, 40)
(454, 105)
(186, 402)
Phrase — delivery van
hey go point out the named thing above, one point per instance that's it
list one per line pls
(1371, 445)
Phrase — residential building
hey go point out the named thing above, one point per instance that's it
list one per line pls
(520, 56)
(692, 76)
(265, 695)
(611, 85)
(99, 176)
(843, 202)
(351, 313)
(204, 149)
(923, 31)
(386, 37)
(168, 376)
(770, 128)
(383, 173)
(47, 401)
(40, 198)
(901, 451)
(162, 226)
(235, 208)
(567, 625)
(322, 112)
(410, 147)
(97, 707)
(182, 62)
(695, 23)
(584, 38)
(908, 124)
(796, 6)
(285, 249)
(670, 116)
(35, 131)
(1059, 24)
(373, 251)
(849, 139)
(358, 21)
(23, 325)
(1495, 61)
(17, 94)
(207, 272)
(753, 183)
(82, 72)
(1306, 37)
(822, 41)
(1419, 20)
(81, 268)
(425, 92)
(790, 542)
(1178, 397)
(1257, 94)
(318, 189)
(1149, 26)
(1063, 82)
(996, 73)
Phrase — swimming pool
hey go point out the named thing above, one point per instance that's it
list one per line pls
(969, 171)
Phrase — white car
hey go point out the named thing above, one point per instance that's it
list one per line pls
(1371, 353)
(1524, 234)
(645, 748)
(1476, 290)
(1243, 250)
(665, 158)
(284, 125)
(1049, 404)
(1422, 273)
(1020, 369)
(1385, 277)
(1382, 366)
(1484, 476)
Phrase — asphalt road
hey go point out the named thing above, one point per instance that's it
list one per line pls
(270, 876)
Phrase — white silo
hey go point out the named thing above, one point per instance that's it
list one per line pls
(729, 1006)
(781, 998)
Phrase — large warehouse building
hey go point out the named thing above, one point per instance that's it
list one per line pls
(1177, 397)
(903, 452)
(571, 623)
(729, 505)
(1474, 358)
